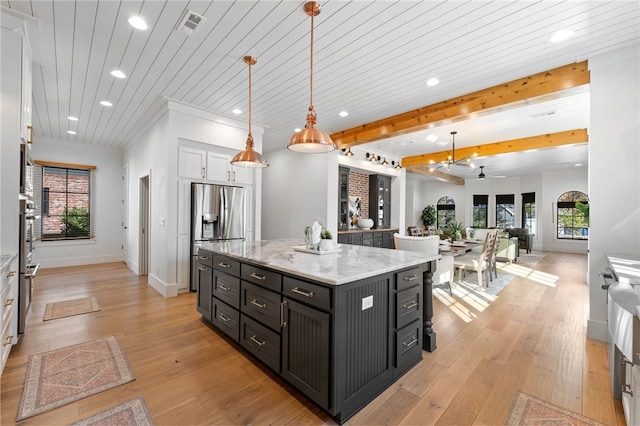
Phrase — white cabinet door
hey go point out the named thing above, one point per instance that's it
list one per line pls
(184, 207)
(26, 97)
(243, 175)
(192, 163)
(184, 265)
(218, 167)
(634, 413)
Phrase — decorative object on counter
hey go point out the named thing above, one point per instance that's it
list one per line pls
(308, 237)
(311, 140)
(67, 308)
(88, 368)
(133, 412)
(249, 157)
(365, 223)
(428, 217)
(326, 240)
(316, 228)
(354, 211)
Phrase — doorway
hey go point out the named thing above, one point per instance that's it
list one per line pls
(143, 260)
(125, 215)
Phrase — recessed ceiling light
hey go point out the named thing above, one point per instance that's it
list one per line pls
(343, 113)
(297, 129)
(118, 74)
(431, 137)
(237, 111)
(72, 118)
(561, 35)
(432, 82)
(443, 143)
(72, 132)
(578, 164)
(138, 23)
(106, 103)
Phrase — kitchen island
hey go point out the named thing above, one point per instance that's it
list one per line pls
(340, 327)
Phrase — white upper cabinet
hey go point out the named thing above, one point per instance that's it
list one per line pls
(193, 163)
(219, 169)
(26, 98)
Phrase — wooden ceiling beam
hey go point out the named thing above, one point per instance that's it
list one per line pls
(424, 170)
(482, 101)
(569, 137)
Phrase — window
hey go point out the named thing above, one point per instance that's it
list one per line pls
(573, 216)
(446, 212)
(66, 194)
(505, 208)
(529, 211)
(480, 211)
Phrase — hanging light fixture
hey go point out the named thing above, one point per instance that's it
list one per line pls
(310, 139)
(249, 157)
(451, 161)
(347, 152)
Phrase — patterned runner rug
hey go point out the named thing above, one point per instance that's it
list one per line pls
(132, 413)
(65, 375)
(528, 410)
(67, 308)
(530, 258)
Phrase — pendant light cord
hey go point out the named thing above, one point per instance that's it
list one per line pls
(311, 69)
(250, 97)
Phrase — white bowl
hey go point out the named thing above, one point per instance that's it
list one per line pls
(365, 223)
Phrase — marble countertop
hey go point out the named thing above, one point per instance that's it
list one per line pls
(6, 259)
(626, 268)
(352, 263)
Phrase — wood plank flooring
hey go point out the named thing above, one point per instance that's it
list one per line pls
(532, 338)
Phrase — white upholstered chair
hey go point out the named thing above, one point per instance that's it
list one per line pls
(444, 272)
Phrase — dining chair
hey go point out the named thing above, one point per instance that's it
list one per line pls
(477, 261)
(429, 245)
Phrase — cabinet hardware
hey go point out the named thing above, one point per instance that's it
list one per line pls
(203, 268)
(411, 278)
(626, 387)
(30, 133)
(228, 175)
(256, 341)
(410, 305)
(234, 176)
(223, 317)
(224, 287)
(412, 342)
(9, 302)
(203, 258)
(259, 305)
(302, 292)
(258, 277)
(283, 305)
(224, 265)
(11, 274)
(203, 173)
(7, 340)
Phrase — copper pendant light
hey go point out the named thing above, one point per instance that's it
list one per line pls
(310, 139)
(249, 157)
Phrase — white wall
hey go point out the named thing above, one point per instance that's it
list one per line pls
(106, 247)
(614, 175)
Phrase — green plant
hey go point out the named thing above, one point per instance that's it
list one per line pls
(75, 222)
(325, 234)
(584, 209)
(428, 216)
(456, 229)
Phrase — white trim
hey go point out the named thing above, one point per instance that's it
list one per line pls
(167, 290)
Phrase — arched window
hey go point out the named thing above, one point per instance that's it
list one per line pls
(446, 212)
(573, 216)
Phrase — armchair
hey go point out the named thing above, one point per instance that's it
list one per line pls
(444, 272)
(525, 239)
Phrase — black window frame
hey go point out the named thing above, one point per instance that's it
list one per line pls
(503, 200)
(573, 214)
(444, 207)
(480, 206)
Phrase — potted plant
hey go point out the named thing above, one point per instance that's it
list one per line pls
(456, 230)
(428, 216)
(326, 240)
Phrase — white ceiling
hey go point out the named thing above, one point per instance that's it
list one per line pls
(371, 58)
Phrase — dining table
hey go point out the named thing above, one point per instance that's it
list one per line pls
(458, 248)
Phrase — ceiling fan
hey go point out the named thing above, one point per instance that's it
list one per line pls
(451, 161)
(483, 176)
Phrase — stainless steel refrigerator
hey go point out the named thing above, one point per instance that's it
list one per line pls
(217, 213)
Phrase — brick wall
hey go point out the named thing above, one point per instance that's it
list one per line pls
(359, 187)
(59, 198)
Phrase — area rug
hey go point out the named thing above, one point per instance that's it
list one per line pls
(528, 410)
(133, 413)
(530, 258)
(469, 284)
(65, 375)
(67, 308)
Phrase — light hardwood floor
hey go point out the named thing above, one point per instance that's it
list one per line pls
(532, 338)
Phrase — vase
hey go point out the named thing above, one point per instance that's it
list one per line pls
(365, 223)
(326, 245)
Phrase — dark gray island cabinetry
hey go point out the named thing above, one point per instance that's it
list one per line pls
(339, 327)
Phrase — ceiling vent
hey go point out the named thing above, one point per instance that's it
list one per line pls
(189, 22)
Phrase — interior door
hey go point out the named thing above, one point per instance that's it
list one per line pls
(143, 261)
(125, 214)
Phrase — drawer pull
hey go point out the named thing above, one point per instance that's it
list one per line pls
(224, 287)
(259, 305)
(258, 277)
(411, 342)
(203, 268)
(283, 322)
(204, 258)
(9, 302)
(411, 278)
(11, 274)
(410, 305)
(224, 265)
(223, 317)
(7, 340)
(256, 341)
(302, 292)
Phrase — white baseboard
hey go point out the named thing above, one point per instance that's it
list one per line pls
(77, 261)
(167, 290)
(598, 330)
